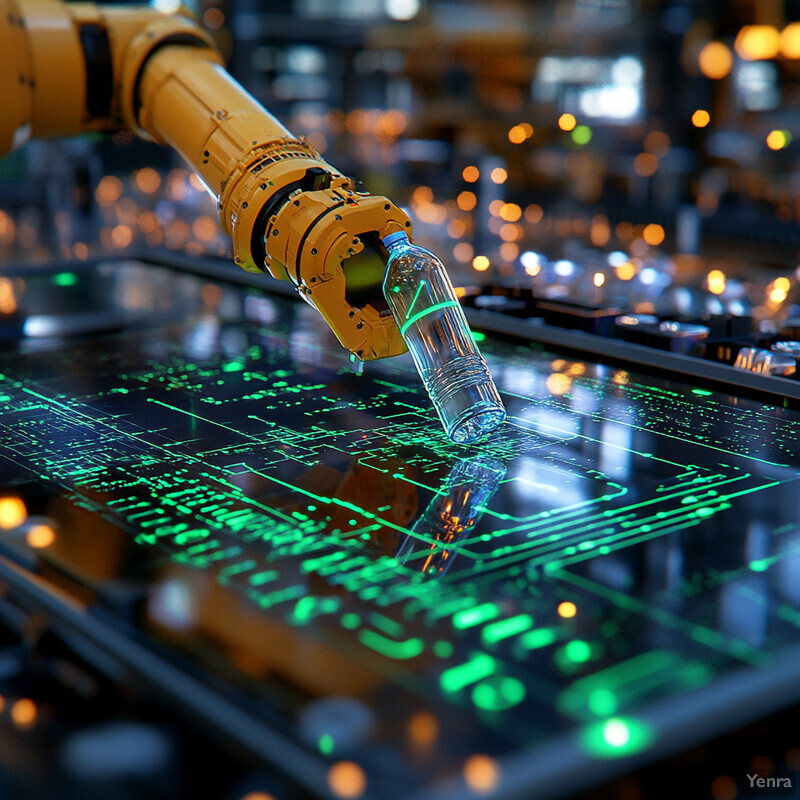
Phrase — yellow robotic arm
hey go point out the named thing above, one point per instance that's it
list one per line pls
(70, 68)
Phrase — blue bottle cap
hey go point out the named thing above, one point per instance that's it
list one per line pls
(392, 238)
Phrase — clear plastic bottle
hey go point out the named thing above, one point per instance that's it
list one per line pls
(421, 297)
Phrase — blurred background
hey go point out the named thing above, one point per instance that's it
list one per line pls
(637, 153)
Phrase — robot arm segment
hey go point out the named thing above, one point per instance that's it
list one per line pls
(86, 67)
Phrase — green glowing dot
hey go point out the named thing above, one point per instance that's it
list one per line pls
(762, 565)
(443, 649)
(616, 732)
(701, 392)
(65, 279)
(311, 508)
(260, 578)
(390, 648)
(505, 628)
(478, 336)
(538, 638)
(350, 621)
(233, 366)
(475, 616)
(581, 134)
(396, 289)
(304, 609)
(353, 522)
(602, 702)
(616, 737)
(326, 744)
(478, 667)
(498, 693)
(577, 651)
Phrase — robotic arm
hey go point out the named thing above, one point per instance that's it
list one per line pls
(68, 69)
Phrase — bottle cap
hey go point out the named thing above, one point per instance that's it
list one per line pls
(393, 238)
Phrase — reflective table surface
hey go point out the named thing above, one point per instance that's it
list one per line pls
(610, 576)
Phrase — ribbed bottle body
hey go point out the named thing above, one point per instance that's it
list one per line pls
(434, 327)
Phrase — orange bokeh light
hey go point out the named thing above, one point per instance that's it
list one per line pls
(645, 164)
(517, 135)
(653, 234)
(470, 174)
(715, 60)
(758, 42)
(498, 175)
(567, 122)
(466, 201)
(23, 713)
(347, 779)
(40, 536)
(12, 512)
(481, 774)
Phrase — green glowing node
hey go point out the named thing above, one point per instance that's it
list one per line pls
(505, 628)
(577, 651)
(616, 733)
(701, 392)
(478, 336)
(616, 737)
(326, 744)
(65, 279)
(443, 649)
(538, 638)
(498, 693)
(390, 648)
(762, 565)
(475, 616)
(478, 667)
(350, 621)
(602, 702)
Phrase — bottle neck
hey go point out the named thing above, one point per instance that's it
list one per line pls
(395, 240)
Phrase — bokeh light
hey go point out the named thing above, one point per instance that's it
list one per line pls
(347, 779)
(12, 512)
(470, 174)
(567, 122)
(482, 774)
(758, 42)
(715, 60)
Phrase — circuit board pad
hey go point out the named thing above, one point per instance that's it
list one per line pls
(620, 542)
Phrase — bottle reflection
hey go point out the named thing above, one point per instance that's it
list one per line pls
(451, 515)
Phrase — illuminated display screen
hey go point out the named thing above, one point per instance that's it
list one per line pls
(578, 583)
